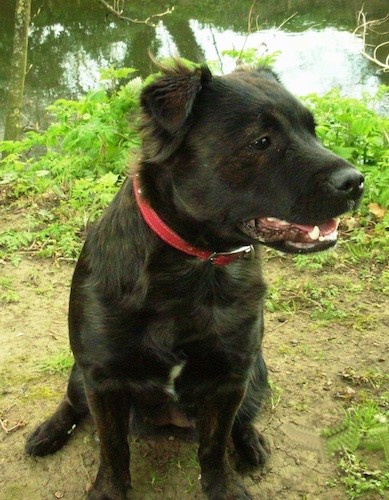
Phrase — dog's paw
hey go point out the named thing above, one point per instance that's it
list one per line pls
(47, 438)
(252, 448)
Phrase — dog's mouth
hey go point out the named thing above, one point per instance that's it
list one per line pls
(290, 237)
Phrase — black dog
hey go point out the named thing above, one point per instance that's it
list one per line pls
(166, 302)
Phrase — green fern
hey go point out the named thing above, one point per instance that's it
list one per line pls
(377, 439)
(363, 427)
(343, 436)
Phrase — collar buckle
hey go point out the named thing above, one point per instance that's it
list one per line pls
(245, 252)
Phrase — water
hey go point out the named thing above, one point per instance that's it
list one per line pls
(70, 41)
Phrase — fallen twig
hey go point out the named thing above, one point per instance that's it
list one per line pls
(21, 423)
(279, 326)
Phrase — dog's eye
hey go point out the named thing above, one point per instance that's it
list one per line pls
(261, 143)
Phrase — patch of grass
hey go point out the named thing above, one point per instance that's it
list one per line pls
(5, 283)
(362, 442)
(328, 311)
(15, 378)
(361, 480)
(275, 394)
(330, 298)
(60, 362)
(191, 484)
(372, 377)
(316, 261)
(7, 293)
(13, 240)
(156, 480)
(12, 491)
(188, 467)
(42, 392)
(277, 300)
(320, 300)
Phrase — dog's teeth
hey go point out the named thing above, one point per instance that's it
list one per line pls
(251, 222)
(329, 237)
(337, 220)
(315, 233)
(278, 221)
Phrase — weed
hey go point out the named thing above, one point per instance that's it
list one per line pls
(5, 283)
(317, 261)
(351, 128)
(71, 171)
(7, 294)
(58, 363)
(46, 291)
(364, 428)
(275, 394)
(277, 300)
(364, 425)
(360, 479)
(13, 239)
(191, 485)
(320, 300)
(9, 297)
(321, 355)
(304, 349)
(156, 480)
(285, 350)
(42, 392)
(372, 377)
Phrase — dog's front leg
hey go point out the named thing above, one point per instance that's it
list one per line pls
(111, 414)
(214, 423)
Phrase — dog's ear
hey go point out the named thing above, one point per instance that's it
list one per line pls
(169, 99)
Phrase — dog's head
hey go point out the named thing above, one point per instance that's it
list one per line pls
(239, 154)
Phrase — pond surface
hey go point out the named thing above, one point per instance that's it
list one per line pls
(70, 41)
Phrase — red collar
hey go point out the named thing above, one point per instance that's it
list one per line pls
(171, 238)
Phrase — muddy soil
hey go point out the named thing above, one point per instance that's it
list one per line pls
(306, 357)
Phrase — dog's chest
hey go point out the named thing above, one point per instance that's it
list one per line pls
(189, 332)
(175, 372)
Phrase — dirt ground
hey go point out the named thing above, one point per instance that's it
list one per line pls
(306, 358)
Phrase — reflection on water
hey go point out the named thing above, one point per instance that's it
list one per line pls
(312, 61)
(70, 42)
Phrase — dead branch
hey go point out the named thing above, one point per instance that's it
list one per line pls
(364, 26)
(7, 430)
(117, 10)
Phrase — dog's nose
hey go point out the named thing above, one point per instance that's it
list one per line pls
(347, 181)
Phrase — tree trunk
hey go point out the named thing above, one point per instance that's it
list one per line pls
(18, 70)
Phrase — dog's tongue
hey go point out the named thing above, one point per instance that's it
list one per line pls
(325, 228)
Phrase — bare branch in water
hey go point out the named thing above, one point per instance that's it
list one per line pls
(364, 26)
(117, 10)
